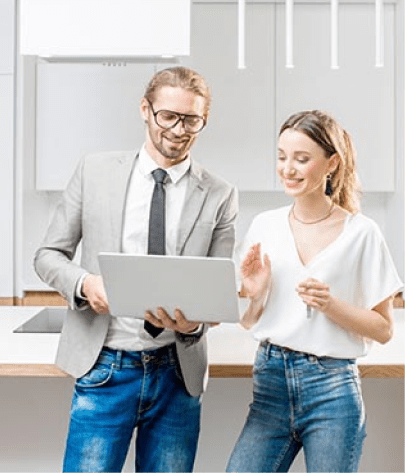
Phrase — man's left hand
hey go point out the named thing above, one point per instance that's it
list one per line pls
(179, 324)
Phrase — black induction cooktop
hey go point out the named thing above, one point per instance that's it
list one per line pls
(48, 320)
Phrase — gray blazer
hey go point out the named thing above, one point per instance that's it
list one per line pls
(91, 211)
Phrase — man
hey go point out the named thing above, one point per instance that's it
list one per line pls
(128, 376)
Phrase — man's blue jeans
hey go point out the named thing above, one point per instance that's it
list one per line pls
(301, 401)
(128, 390)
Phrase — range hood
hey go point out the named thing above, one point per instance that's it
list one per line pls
(105, 30)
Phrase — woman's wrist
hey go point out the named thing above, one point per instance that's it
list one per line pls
(255, 310)
(260, 298)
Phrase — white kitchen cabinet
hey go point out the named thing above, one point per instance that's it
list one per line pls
(6, 36)
(6, 185)
(239, 140)
(360, 96)
(85, 108)
(94, 28)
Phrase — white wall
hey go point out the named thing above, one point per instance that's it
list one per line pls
(34, 425)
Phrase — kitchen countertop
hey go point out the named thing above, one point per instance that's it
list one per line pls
(231, 350)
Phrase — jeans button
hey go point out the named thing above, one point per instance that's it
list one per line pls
(146, 358)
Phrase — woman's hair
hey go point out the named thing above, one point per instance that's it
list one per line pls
(182, 77)
(333, 139)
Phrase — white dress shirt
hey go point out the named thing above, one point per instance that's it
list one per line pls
(126, 333)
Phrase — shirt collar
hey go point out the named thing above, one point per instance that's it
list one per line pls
(147, 165)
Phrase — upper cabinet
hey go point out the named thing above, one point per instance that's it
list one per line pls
(360, 96)
(239, 140)
(89, 107)
(6, 36)
(85, 108)
(104, 28)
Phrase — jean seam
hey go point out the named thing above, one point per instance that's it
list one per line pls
(361, 433)
(354, 457)
(283, 454)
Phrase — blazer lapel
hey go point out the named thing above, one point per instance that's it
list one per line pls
(195, 197)
(118, 197)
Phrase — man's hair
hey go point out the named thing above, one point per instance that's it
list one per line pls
(182, 77)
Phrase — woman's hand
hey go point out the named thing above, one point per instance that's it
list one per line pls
(315, 294)
(256, 284)
(375, 324)
(256, 274)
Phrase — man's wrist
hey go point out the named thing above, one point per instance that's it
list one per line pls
(79, 287)
(190, 338)
(195, 331)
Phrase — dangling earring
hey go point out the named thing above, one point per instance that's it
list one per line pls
(329, 189)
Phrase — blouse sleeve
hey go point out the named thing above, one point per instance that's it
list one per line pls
(379, 278)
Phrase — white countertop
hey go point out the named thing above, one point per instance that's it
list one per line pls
(229, 344)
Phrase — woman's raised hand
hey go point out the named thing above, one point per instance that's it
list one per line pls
(256, 274)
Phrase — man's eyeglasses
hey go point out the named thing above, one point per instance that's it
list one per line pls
(167, 119)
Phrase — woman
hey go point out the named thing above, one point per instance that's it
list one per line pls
(321, 294)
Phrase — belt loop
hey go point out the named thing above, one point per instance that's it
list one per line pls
(118, 360)
(267, 347)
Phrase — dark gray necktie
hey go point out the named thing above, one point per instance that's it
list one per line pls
(157, 232)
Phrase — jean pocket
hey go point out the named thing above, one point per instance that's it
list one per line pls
(98, 376)
(334, 364)
(260, 360)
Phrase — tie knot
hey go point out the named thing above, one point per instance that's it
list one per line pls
(159, 175)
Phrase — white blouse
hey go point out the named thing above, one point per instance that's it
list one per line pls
(357, 266)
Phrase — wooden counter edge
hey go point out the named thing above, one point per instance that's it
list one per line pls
(31, 370)
(215, 371)
(366, 371)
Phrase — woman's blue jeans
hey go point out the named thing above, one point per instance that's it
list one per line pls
(301, 401)
(128, 390)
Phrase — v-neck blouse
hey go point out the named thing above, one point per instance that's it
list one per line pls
(357, 266)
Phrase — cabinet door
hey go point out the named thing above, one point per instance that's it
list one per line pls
(6, 185)
(238, 142)
(6, 36)
(360, 96)
(85, 108)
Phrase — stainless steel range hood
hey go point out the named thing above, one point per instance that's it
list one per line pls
(100, 30)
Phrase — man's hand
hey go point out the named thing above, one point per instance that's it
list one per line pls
(179, 324)
(93, 290)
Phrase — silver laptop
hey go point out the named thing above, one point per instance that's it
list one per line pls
(203, 288)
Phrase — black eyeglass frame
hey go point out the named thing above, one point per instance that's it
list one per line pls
(180, 117)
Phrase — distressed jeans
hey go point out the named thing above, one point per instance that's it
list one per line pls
(301, 401)
(128, 390)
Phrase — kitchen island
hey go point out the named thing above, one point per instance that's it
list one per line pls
(231, 350)
(35, 399)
